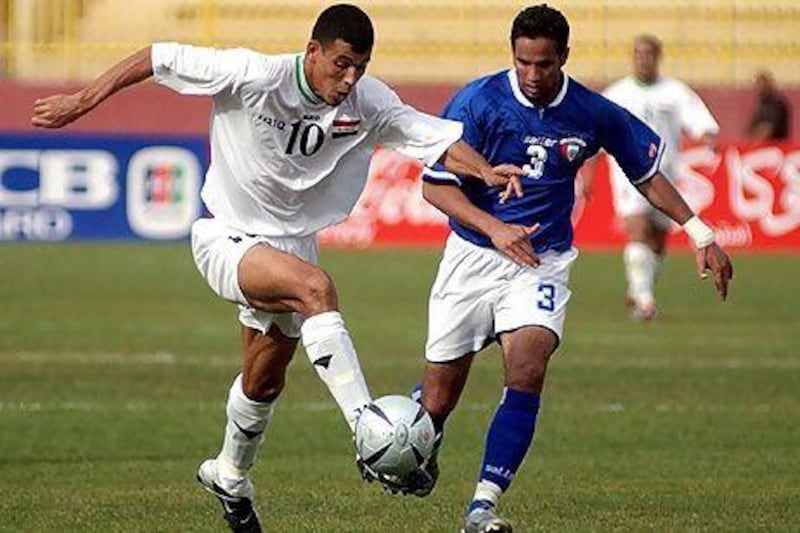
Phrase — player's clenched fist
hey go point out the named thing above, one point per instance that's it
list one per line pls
(57, 111)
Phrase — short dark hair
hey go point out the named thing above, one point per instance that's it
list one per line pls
(346, 22)
(650, 40)
(541, 21)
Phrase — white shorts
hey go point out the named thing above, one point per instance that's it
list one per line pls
(480, 293)
(217, 251)
(628, 201)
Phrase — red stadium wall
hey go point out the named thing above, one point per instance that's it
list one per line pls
(751, 194)
(149, 108)
(146, 108)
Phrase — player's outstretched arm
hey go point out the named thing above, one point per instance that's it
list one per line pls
(461, 159)
(61, 109)
(511, 239)
(708, 255)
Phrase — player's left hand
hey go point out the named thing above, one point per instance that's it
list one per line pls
(514, 240)
(713, 258)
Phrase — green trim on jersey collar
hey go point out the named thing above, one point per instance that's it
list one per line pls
(302, 83)
(641, 83)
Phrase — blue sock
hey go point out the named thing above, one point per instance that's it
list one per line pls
(509, 437)
(482, 504)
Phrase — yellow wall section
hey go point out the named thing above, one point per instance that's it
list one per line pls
(709, 42)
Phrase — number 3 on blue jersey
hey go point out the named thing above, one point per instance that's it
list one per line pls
(547, 297)
(538, 155)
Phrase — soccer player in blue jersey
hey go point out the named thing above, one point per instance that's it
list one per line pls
(504, 272)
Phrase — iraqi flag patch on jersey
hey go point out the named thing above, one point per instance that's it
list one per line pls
(572, 149)
(344, 127)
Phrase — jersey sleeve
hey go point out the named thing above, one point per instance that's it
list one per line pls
(695, 117)
(613, 93)
(407, 130)
(206, 71)
(465, 109)
(633, 144)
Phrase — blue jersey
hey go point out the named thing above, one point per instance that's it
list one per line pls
(550, 143)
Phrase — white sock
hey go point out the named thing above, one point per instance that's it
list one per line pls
(640, 266)
(659, 266)
(330, 350)
(244, 432)
(488, 491)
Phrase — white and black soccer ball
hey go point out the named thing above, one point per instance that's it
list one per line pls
(394, 435)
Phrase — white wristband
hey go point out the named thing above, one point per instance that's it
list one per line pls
(699, 232)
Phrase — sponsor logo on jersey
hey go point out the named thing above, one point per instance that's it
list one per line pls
(344, 127)
(572, 148)
(272, 122)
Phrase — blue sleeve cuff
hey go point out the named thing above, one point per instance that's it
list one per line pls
(655, 167)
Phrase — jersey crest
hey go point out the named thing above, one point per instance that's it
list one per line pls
(572, 149)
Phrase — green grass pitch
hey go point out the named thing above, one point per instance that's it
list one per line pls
(115, 361)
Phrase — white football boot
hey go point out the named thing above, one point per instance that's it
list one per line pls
(237, 501)
(485, 520)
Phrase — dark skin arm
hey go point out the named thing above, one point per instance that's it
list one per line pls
(59, 110)
(461, 159)
(663, 195)
(511, 239)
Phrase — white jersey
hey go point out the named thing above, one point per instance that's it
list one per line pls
(284, 163)
(668, 106)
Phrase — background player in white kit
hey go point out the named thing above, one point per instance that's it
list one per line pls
(291, 138)
(670, 107)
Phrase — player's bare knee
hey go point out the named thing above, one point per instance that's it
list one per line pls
(319, 293)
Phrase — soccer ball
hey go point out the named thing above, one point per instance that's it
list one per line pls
(394, 435)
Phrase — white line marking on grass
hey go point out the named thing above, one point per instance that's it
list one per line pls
(318, 407)
(571, 360)
(650, 362)
(157, 358)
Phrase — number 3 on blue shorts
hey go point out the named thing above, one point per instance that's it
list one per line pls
(547, 295)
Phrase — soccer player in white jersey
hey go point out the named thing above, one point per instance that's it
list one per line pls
(504, 273)
(291, 138)
(671, 108)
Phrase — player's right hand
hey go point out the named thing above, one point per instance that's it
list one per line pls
(57, 111)
(507, 176)
(514, 240)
